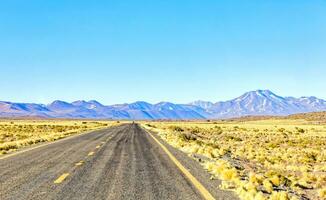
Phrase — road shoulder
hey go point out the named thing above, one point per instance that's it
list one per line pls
(194, 167)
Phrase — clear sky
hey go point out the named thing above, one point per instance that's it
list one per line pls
(127, 50)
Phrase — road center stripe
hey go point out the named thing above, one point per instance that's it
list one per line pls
(80, 163)
(204, 192)
(61, 178)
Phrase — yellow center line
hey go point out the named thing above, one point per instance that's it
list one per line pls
(65, 175)
(204, 192)
(61, 178)
(80, 163)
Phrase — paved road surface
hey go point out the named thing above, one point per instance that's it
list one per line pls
(121, 162)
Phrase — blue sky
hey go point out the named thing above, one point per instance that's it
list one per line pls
(180, 51)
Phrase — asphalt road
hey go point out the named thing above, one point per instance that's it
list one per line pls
(122, 162)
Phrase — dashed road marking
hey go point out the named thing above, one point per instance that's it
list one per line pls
(80, 163)
(65, 175)
(61, 178)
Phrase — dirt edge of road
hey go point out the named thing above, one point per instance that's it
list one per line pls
(194, 167)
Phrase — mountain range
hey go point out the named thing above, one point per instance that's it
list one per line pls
(259, 102)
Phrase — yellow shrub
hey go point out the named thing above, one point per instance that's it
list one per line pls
(279, 196)
(229, 174)
(226, 185)
(322, 193)
(275, 180)
(260, 196)
(268, 186)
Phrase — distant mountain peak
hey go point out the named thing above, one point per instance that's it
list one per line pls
(59, 103)
(259, 94)
(201, 101)
(141, 103)
(265, 91)
(95, 102)
(164, 103)
(202, 104)
(87, 104)
(79, 102)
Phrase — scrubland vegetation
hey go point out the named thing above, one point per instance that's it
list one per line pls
(15, 134)
(268, 159)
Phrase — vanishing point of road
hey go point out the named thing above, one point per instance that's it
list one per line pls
(122, 162)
